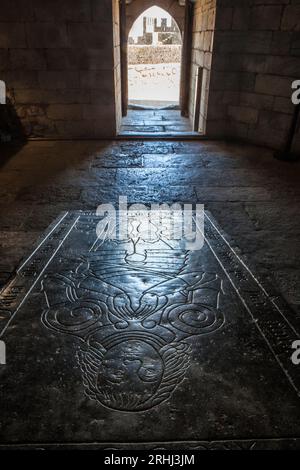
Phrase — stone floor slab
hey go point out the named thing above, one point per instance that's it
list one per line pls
(144, 341)
(156, 123)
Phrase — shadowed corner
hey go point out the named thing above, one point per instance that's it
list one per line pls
(12, 135)
(286, 153)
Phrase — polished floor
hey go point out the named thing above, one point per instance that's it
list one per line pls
(106, 337)
(156, 123)
(146, 334)
(254, 197)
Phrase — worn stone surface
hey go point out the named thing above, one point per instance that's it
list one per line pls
(155, 122)
(128, 332)
(252, 195)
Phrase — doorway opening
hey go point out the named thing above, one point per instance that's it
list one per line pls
(154, 76)
(154, 60)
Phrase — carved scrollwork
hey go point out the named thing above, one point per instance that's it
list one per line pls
(195, 319)
(134, 318)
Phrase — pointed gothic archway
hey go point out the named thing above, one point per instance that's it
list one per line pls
(196, 21)
(154, 60)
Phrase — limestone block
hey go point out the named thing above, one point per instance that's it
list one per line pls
(258, 42)
(231, 97)
(16, 10)
(58, 79)
(230, 41)
(264, 135)
(273, 85)
(237, 130)
(101, 10)
(92, 35)
(211, 19)
(65, 112)
(243, 114)
(75, 129)
(256, 100)
(281, 42)
(225, 81)
(46, 35)
(27, 59)
(253, 63)
(291, 18)
(208, 37)
(97, 79)
(57, 10)
(207, 60)
(62, 59)
(247, 81)
(224, 18)
(98, 111)
(198, 38)
(3, 59)
(19, 79)
(12, 34)
(275, 120)
(105, 127)
(283, 105)
(216, 110)
(65, 96)
(241, 18)
(266, 17)
(283, 65)
(105, 96)
(296, 43)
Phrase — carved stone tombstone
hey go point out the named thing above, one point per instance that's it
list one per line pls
(138, 339)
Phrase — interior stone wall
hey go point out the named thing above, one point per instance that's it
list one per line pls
(60, 60)
(117, 64)
(255, 60)
(57, 59)
(202, 48)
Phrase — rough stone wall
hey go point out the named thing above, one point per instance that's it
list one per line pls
(154, 55)
(117, 64)
(255, 60)
(60, 61)
(202, 47)
(56, 57)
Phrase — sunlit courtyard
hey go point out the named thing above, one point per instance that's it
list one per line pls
(154, 60)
